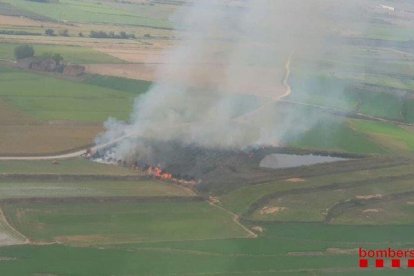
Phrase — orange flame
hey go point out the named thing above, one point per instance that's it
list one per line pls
(165, 176)
(159, 173)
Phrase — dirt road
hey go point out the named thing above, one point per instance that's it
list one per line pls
(276, 98)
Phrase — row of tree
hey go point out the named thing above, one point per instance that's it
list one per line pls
(102, 34)
(93, 34)
(51, 32)
(11, 32)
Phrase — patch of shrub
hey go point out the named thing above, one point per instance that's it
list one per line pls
(64, 33)
(50, 32)
(56, 57)
(23, 51)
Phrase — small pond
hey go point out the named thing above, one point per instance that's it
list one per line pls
(282, 161)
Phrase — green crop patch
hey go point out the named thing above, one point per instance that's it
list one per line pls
(10, 10)
(390, 136)
(90, 188)
(336, 135)
(134, 87)
(359, 82)
(121, 222)
(164, 261)
(47, 98)
(297, 248)
(89, 12)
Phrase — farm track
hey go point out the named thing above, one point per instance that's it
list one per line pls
(236, 219)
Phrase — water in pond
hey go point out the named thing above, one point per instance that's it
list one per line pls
(281, 161)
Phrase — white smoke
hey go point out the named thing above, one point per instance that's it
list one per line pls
(221, 85)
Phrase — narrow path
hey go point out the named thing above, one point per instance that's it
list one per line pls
(277, 98)
(286, 78)
(236, 219)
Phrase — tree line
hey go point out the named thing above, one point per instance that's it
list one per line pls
(93, 34)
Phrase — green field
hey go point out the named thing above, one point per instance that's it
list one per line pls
(128, 85)
(89, 188)
(396, 138)
(48, 98)
(70, 54)
(10, 10)
(91, 12)
(357, 81)
(120, 222)
(352, 96)
(338, 136)
(294, 248)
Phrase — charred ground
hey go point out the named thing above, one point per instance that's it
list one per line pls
(217, 171)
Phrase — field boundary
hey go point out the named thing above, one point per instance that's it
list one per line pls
(102, 199)
(71, 177)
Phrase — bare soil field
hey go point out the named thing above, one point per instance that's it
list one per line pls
(57, 40)
(45, 138)
(134, 54)
(23, 135)
(131, 71)
(15, 21)
(205, 76)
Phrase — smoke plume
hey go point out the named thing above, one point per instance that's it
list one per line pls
(226, 82)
